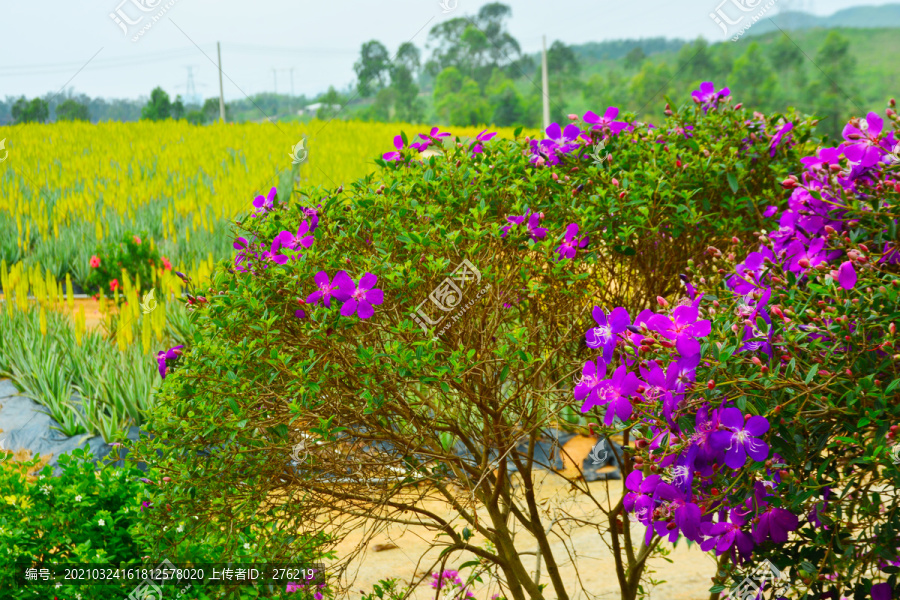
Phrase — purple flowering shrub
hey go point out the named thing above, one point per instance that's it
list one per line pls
(763, 405)
(413, 336)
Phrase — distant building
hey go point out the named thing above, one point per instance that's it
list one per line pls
(313, 109)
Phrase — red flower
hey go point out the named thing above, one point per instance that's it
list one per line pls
(95, 261)
(137, 240)
(114, 284)
(166, 264)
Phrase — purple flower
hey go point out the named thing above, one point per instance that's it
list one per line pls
(640, 500)
(707, 95)
(881, 591)
(328, 288)
(361, 297)
(565, 140)
(265, 204)
(775, 523)
(398, 144)
(890, 254)
(434, 133)
(570, 245)
(513, 220)
(804, 257)
(770, 211)
(614, 393)
(607, 120)
(288, 240)
(846, 275)
(145, 504)
(823, 159)
(742, 439)
(686, 515)
(689, 289)
(604, 335)
(592, 375)
(534, 231)
(170, 354)
(862, 145)
(723, 536)
(778, 137)
(477, 147)
(683, 327)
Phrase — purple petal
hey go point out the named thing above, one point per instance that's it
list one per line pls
(735, 456)
(757, 426)
(344, 284)
(847, 276)
(368, 281)
(349, 307)
(375, 296)
(365, 310)
(619, 320)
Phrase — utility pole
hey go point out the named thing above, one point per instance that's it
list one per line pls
(221, 89)
(545, 85)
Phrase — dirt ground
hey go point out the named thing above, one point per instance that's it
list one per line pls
(686, 577)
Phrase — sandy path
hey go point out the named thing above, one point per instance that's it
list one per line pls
(687, 577)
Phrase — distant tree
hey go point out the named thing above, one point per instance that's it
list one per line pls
(331, 98)
(35, 111)
(159, 107)
(829, 93)
(407, 106)
(72, 110)
(409, 56)
(382, 107)
(195, 117)
(752, 79)
(784, 54)
(651, 83)
(563, 69)
(211, 110)
(178, 108)
(372, 68)
(510, 109)
(458, 99)
(635, 58)
(476, 46)
(695, 61)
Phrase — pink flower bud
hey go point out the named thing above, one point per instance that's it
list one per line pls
(573, 117)
(555, 177)
(892, 328)
(615, 182)
(803, 262)
(662, 301)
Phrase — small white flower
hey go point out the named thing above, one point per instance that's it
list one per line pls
(101, 523)
(180, 528)
(166, 528)
(42, 477)
(58, 584)
(247, 546)
(78, 498)
(78, 596)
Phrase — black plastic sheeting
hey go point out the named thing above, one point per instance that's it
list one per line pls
(26, 425)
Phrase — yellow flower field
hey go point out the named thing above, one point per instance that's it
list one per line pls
(68, 186)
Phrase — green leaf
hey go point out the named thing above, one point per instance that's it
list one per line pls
(717, 588)
(234, 406)
(811, 374)
(517, 131)
(732, 182)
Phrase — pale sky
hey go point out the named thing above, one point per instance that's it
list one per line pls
(49, 45)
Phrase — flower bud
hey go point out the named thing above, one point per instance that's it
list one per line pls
(710, 384)
(803, 262)
(829, 229)
(573, 117)
(621, 195)
(555, 177)
(641, 443)
(755, 360)
(892, 328)
(662, 301)
(789, 183)
(615, 182)
(738, 106)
